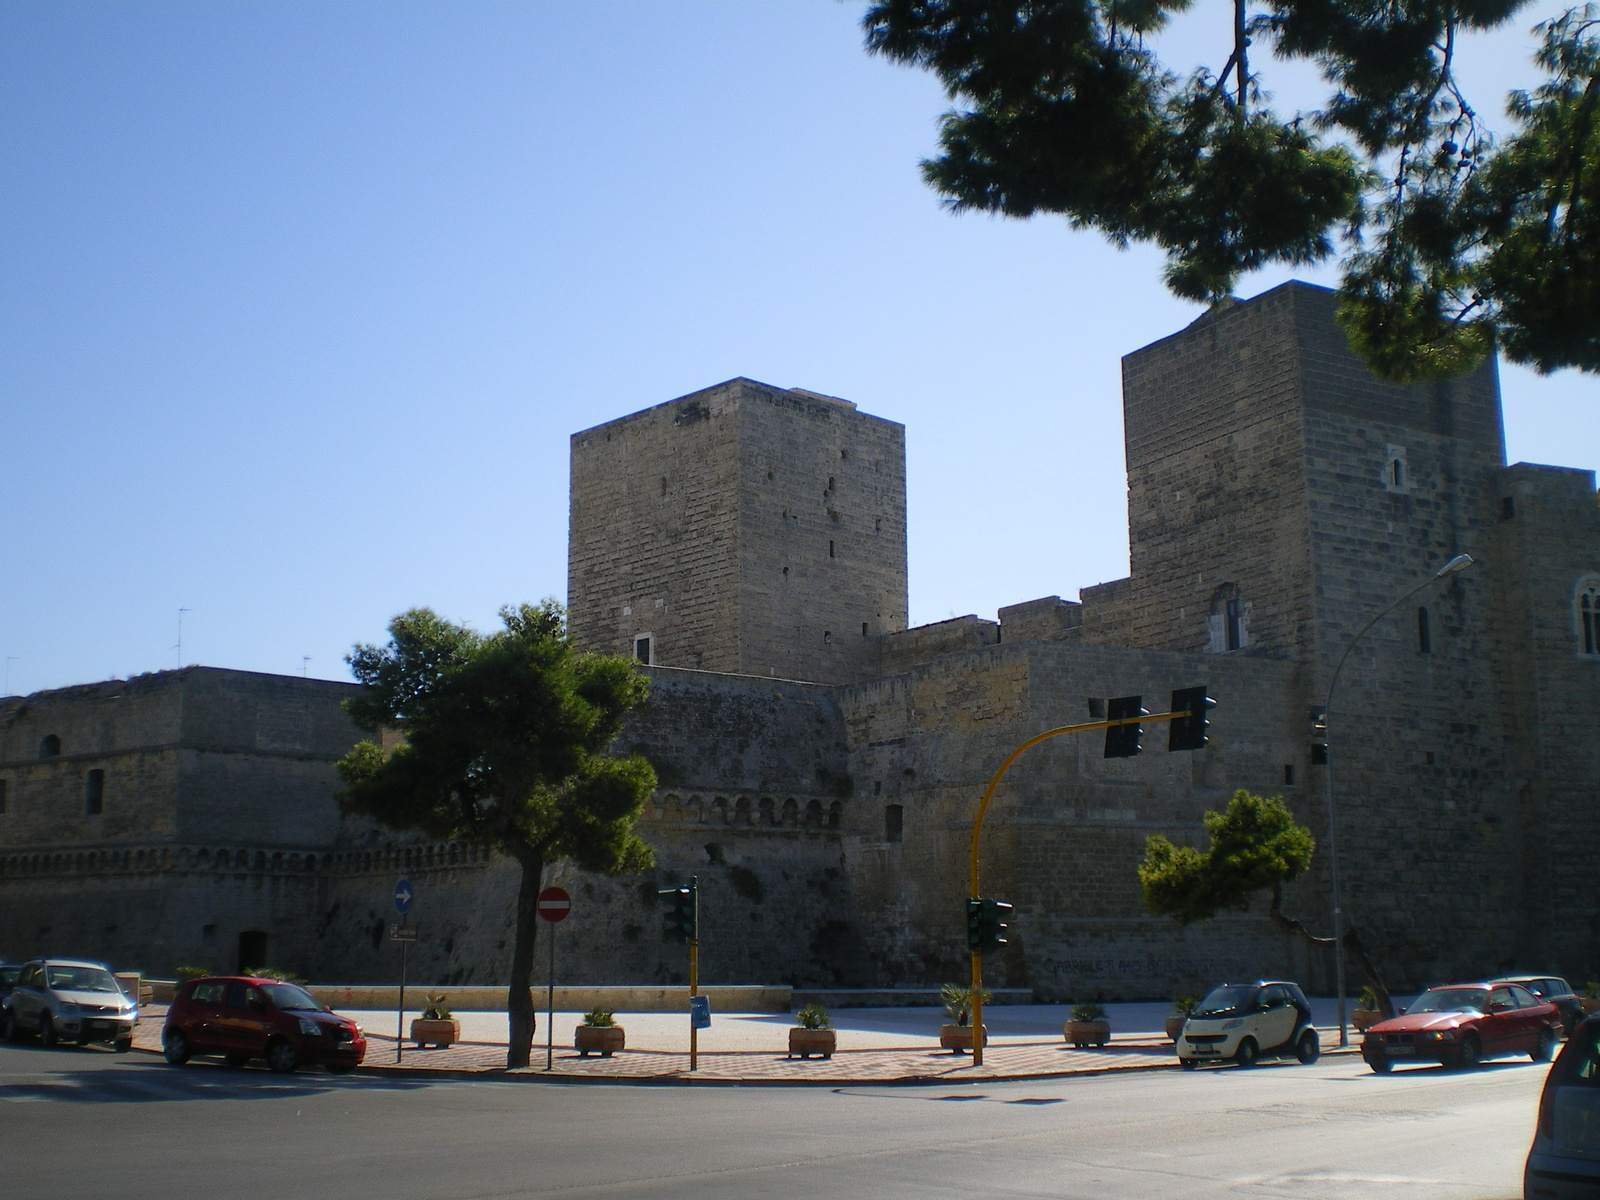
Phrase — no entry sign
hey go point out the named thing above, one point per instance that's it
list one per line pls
(554, 904)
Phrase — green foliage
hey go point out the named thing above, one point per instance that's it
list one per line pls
(187, 973)
(1592, 989)
(1368, 999)
(1254, 844)
(957, 1001)
(1453, 243)
(504, 739)
(1182, 1006)
(600, 1018)
(813, 1016)
(1088, 1011)
(437, 1009)
(274, 973)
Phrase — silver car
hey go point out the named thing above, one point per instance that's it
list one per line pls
(1564, 1163)
(73, 1000)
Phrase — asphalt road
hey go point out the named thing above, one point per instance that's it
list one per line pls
(86, 1123)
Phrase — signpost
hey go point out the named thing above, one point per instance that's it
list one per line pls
(554, 905)
(405, 935)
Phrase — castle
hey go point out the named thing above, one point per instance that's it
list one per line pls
(820, 762)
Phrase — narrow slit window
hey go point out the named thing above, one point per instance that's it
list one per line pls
(644, 649)
(1589, 616)
(1288, 774)
(3, 783)
(1424, 634)
(94, 792)
(827, 637)
(863, 629)
(893, 822)
(1234, 628)
(830, 549)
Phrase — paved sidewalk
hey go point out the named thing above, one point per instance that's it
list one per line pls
(893, 1055)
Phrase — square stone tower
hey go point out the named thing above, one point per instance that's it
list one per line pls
(745, 528)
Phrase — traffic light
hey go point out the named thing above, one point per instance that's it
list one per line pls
(994, 922)
(678, 922)
(1319, 736)
(1122, 741)
(1189, 733)
(974, 925)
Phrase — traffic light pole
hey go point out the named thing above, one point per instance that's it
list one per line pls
(694, 978)
(977, 829)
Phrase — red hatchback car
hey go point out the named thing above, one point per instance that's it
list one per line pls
(1461, 1024)
(242, 1017)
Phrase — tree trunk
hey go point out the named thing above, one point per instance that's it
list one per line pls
(519, 1000)
(1353, 948)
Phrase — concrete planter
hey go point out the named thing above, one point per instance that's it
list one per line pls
(958, 1038)
(806, 1042)
(435, 1033)
(604, 1040)
(1175, 1028)
(1364, 1018)
(1087, 1033)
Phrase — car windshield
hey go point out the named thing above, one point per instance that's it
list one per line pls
(1451, 1000)
(1229, 998)
(80, 979)
(286, 997)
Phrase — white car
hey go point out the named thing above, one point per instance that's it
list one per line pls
(1564, 1163)
(1240, 1022)
(72, 1000)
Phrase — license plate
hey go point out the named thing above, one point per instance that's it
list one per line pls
(1205, 1049)
(99, 1025)
(1399, 1051)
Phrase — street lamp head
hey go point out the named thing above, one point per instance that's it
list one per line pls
(1459, 563)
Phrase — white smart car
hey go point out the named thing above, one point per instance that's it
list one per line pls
(1240, 1022)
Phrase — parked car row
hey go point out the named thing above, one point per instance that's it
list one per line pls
(238, 1018)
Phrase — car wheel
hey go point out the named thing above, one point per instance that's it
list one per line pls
(123, 1045)
(175, 1047)
(1308, 1047)
(1470, 1054)
(8, 1027)
(1541, 1048)
(235, 1059)
(1247, 1053)
(1188, 1064)
(341, 1068)
(1380, 1066)
(47, 1031)
(281, 1056)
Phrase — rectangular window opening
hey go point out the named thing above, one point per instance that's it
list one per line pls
(3, 783)
(893, 822)
(1235, 625)
(644, 649)
(830, 548)
(1424, 634)
(1508, 508)
(94, 792)
(1288, 774)
(1319, 754)
(863, 629)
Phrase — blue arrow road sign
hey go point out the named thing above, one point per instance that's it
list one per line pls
(403, 895)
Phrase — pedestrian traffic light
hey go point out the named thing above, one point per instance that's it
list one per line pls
(1122, 741)
(1319, 736)
(1189, 733)
(678, 922)
(994, 923)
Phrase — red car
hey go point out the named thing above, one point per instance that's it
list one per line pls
(241, 1017)
(1464, 1023)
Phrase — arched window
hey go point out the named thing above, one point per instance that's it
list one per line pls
(49, 746)
(1588, 614)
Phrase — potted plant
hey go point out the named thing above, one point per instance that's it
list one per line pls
(1366, 1013)
(435, 1027)
(1182, 1008)
(812, 1033)
(1088, 1026)
(599, 1033)
(956, 1036)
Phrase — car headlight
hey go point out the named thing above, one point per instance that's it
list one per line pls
(310, 1028)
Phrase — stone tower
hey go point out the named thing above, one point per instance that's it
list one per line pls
(745, 528)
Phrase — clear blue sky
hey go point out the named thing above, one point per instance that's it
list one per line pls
(300, 302)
